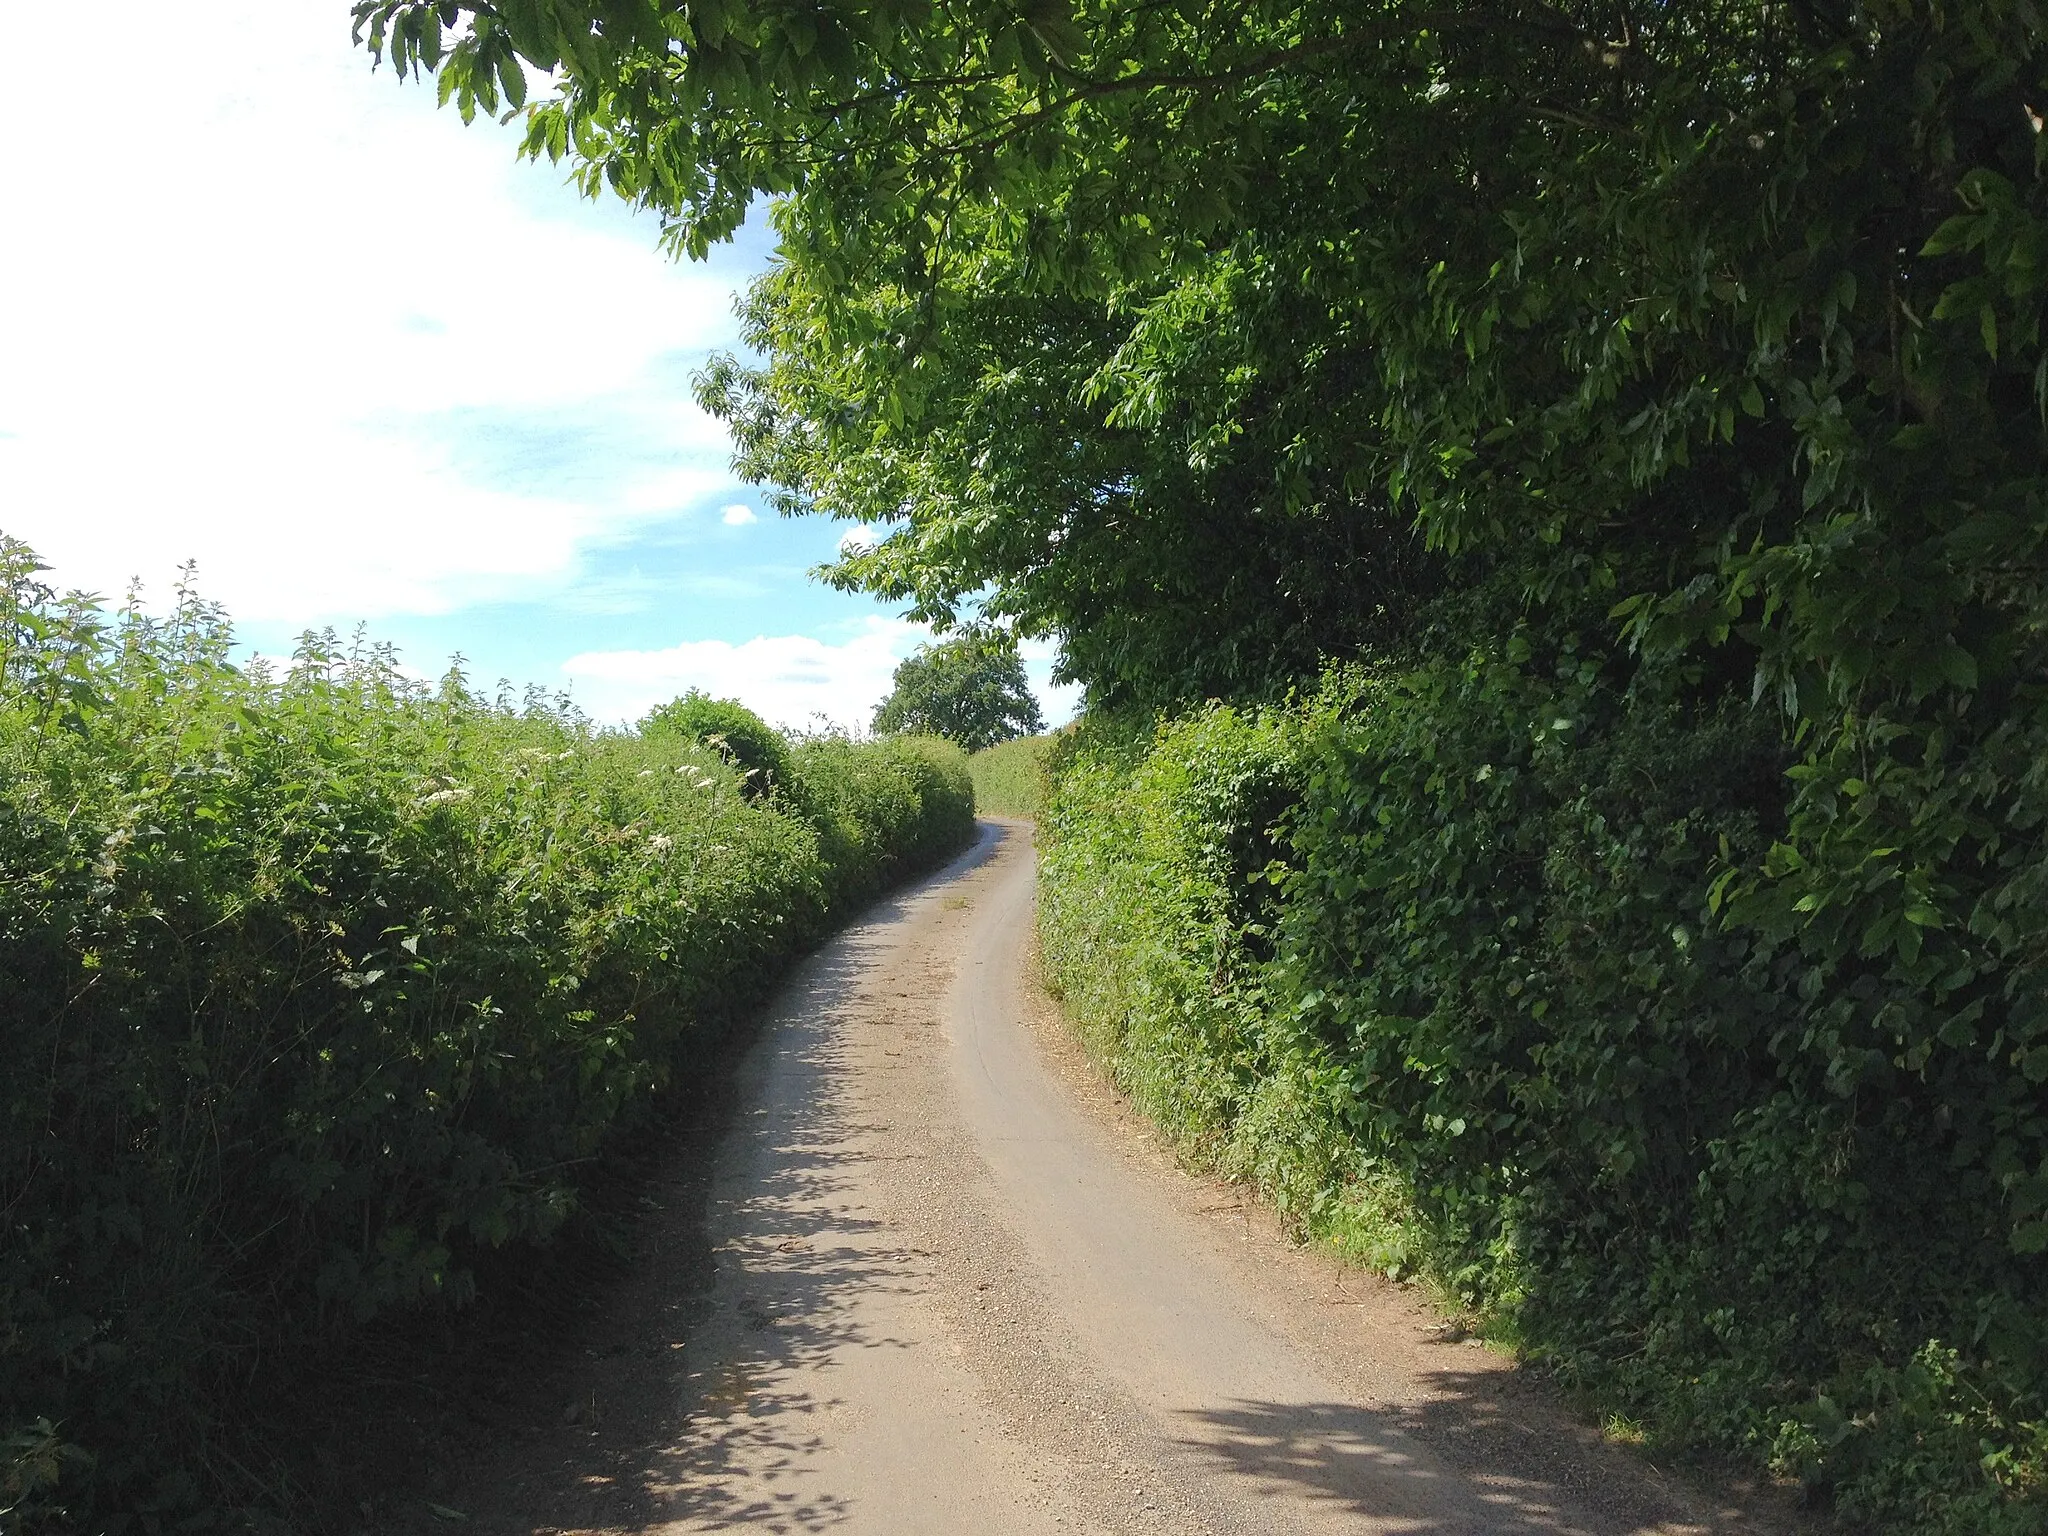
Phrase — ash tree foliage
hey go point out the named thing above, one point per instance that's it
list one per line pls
(1623, 425)
(969, 689)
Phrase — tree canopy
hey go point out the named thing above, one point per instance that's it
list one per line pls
(1205, 335)
(1218, 340)
(970, 689)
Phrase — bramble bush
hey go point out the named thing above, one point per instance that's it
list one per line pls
(319, 985)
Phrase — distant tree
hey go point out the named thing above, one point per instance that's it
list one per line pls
(970, 689)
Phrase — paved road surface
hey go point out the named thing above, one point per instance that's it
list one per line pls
(953, 1287)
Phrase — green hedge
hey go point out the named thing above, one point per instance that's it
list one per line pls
(318, 988)
(753, 746)
(881, 809)
(1009, 778)
(1438, 959)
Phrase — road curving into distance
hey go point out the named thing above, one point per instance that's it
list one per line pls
(937, 1280)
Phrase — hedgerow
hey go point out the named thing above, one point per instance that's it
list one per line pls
(319, 985)
(1441, 959)
(735, 732)
(1009, 777)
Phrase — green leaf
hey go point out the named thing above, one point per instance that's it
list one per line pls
(1957, 233)
(512, 75)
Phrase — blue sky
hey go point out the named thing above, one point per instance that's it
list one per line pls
(274, 313)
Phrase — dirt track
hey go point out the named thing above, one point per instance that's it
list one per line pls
(956, 1289)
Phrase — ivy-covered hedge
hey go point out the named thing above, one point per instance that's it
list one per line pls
(318, 987)
(1446, 960)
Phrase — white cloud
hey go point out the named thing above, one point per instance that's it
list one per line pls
(786, 679)
(261, 350)
(671, 490)
(860, 536)
(738, 515)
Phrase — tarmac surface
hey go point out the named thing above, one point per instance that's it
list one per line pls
(937, 1279)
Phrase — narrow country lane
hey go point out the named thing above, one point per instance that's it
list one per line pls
(954, 1288)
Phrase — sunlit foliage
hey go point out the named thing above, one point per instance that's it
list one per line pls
(320, 985)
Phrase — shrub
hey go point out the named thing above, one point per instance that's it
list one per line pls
(880, 808)
(739, 735)
(1155, 936)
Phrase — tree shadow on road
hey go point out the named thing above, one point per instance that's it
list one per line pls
(1519, 1468)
